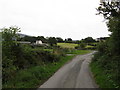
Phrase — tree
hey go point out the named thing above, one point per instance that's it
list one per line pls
(77, 42)
(44, 40)
(29, 38)
(9, 34)
(9, 37)
(114, 42)
(68, 40)
(52, 41)
(8, 51)
(82, 45)
(59, 39)
(111, 49)
(111, 12)
(109, 9)
(88, 40)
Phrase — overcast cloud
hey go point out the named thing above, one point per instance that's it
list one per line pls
(74, 19)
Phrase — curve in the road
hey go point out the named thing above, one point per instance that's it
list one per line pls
(75, 74)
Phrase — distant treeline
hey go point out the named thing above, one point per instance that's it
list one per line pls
(54, 40)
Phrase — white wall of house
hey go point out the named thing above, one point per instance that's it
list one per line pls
(39, 42)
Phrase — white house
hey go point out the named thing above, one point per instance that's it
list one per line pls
(38, 42)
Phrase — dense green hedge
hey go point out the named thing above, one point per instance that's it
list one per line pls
(108, 56)
(106, 70)
(16, 56)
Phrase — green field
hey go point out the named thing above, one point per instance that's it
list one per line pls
(67, 45)
(79, 52)
(88, 46)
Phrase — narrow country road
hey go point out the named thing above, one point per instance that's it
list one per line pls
(75, 74)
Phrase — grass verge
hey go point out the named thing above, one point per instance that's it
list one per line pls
(102, 79)
(81, 52)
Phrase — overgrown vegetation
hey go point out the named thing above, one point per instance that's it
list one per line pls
(106, 62)
(16, 56)
(28, 66)
(33, 77)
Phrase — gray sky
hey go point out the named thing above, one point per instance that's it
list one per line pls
(60, 18)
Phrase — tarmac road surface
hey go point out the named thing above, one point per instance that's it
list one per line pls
(74, 74)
